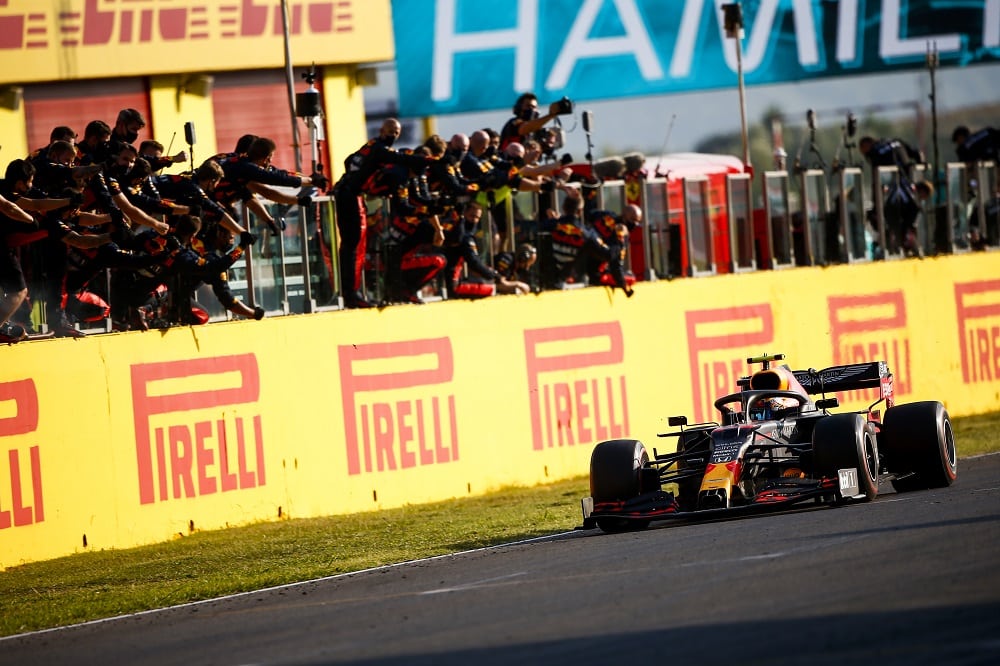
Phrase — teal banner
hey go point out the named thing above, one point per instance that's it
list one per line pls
(455, 56)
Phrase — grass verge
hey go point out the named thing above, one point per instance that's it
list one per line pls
(205, 565)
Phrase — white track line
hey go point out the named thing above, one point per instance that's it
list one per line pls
(287, 586)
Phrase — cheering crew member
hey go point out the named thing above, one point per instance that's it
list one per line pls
(460, 249)
(416, 230)
(573, 244)
(16, 230)
(194, 191)
(614, 230)
(60, 133)
(248, 175)
(901, 202)
(142, 192)
(981, 146)
(526, 120)
(515, 268)
(95, 147)
(359, 167)
(152, 151)
(206, 257)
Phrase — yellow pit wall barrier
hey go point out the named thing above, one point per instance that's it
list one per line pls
(125, 439)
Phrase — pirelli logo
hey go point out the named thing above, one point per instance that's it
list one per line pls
(399, 405)
(198, 427)
(870, 327)
(719, 342)
(576, 384)
(22, 501)
(978, 314)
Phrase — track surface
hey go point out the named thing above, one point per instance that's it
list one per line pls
(907, 579)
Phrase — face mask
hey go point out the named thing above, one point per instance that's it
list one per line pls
(517, 161)
(489, 152)
(131, 136)
(528, 114)
(389, 140)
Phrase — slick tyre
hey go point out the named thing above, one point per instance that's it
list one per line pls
(843, 441)
(615, 477)
(918, 438)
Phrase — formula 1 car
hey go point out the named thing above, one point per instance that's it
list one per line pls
(775, 447)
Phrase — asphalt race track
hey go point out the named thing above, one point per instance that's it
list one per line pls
(907, 579)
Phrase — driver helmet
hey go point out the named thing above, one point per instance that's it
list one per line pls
(769, 408)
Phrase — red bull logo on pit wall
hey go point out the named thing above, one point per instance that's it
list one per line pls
(114, 22)
(399, 419)
(21, 499)
(978, 314)
(577, 384)
(179, 455)
(719, 342)
(872, 327)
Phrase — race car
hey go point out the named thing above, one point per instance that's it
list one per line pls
(774, 447)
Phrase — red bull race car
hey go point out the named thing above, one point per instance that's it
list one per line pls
(775, 446)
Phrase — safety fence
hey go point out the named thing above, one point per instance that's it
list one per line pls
(693, 226)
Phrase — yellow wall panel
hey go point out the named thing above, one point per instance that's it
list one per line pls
(122, 439)
(51, 40)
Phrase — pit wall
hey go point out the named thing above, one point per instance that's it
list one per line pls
(124, 439)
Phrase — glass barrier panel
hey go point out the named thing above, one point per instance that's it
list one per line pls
(613, 196)
(924, 224)
(812, 221)
(957, 201)
(778, 218)
(857, 236)
(528, 207)
(659, 232)
(740, 222)
(699, 230)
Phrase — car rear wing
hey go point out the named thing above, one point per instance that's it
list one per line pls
(851, 377)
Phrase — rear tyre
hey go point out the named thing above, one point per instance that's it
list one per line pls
(918, 438)
(842, 441)
(615, 477)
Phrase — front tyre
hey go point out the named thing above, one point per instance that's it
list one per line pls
(615, 477)
(614, 470)
(918, 438)
(842, 441)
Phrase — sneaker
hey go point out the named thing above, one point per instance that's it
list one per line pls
(357, 300)
(11, 333)
(63, 328)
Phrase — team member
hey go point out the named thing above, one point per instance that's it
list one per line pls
(526, 120)
(351, 215)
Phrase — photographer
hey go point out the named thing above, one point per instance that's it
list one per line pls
(526, 120)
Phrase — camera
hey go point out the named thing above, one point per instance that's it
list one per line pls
(564, 106)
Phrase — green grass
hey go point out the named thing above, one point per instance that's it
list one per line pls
(204, 565)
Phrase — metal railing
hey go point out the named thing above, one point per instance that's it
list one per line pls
(832, 218)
